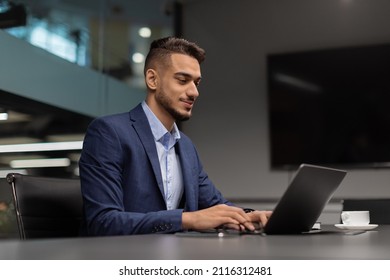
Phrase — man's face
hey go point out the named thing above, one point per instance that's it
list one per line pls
(177, 88)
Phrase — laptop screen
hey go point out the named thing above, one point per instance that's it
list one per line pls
(304, 200)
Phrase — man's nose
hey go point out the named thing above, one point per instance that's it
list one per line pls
(193, 90)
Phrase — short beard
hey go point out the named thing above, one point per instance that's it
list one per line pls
(177, 115)
(166, 103)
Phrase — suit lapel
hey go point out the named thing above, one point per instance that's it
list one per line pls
(142, 127)
(188, 178)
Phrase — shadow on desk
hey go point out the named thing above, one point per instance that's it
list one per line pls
(226, 233)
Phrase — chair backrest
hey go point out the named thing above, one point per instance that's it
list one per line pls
(379, 208)
(46, 207)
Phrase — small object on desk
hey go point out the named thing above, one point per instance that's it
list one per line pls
(213, 233)
(316, 226)
(356, 227)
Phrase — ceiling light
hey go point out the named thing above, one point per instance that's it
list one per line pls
(3, 116)
(145, 32)
(41, 147)
(16, 116)
(138, 58)
(40, 162)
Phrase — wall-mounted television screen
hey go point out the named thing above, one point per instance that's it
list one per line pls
(330, 107)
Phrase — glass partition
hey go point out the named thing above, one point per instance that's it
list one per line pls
(109, 36)
(101, 44)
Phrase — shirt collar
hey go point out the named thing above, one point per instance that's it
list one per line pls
(158, 129)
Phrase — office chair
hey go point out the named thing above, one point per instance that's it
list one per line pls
(379, 208)
(46, 207)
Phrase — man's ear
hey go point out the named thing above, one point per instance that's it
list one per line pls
(151, 79)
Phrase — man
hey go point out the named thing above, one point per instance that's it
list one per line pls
(139, 173)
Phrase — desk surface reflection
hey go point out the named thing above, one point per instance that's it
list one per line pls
(374, 244)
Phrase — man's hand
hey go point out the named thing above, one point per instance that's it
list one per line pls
(259, 218)
(219, 215)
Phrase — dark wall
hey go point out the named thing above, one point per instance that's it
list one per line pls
(230, 125)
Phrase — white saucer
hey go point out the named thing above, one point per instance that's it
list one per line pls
(357, 227)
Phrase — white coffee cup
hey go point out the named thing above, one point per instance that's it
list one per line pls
(355, 218)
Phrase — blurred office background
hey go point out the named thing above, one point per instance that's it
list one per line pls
(65, 62)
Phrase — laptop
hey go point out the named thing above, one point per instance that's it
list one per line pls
(300, 206)
(304, 200)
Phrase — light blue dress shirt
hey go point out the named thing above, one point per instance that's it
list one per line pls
(169, 160)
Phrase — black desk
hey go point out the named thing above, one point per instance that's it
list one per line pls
(373, 244)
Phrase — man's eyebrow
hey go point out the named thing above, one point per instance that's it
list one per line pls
(185, 74)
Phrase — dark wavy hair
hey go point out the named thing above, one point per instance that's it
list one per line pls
(163, 48)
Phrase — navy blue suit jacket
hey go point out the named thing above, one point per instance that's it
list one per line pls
(121, 179)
